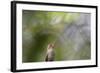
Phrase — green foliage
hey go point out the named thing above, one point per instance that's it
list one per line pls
(39, 28)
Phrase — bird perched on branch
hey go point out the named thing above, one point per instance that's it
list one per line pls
(50, 53)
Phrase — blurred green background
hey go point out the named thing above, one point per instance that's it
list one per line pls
(69, 31)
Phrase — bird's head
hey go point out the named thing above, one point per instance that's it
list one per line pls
(50, 46)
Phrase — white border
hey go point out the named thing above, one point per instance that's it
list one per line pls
(37, 65)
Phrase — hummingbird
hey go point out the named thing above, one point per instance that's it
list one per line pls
(50, 53)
